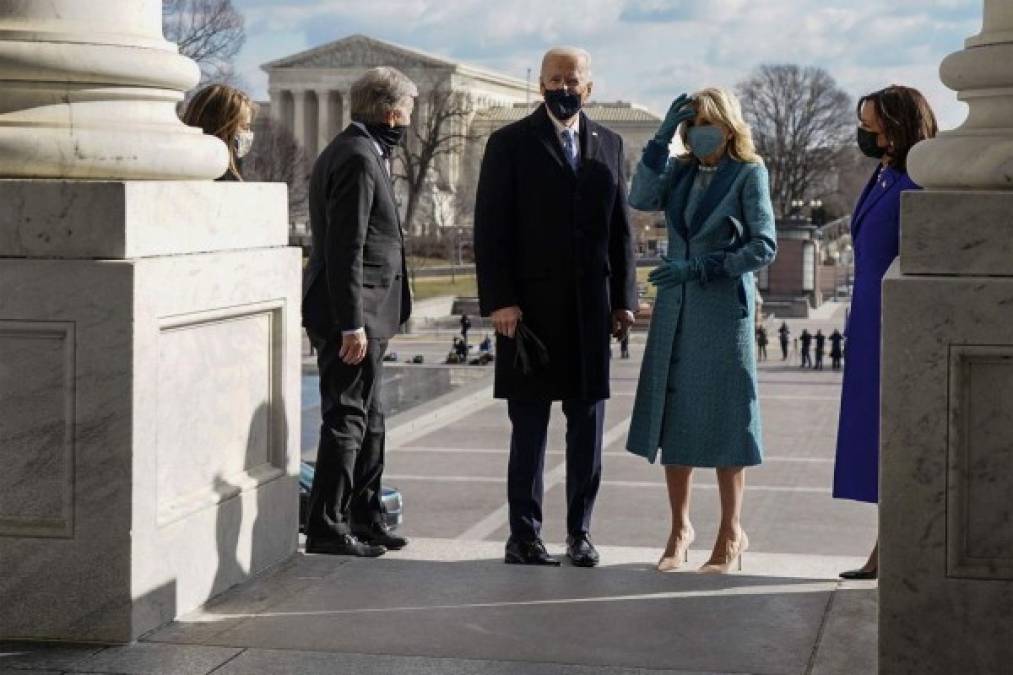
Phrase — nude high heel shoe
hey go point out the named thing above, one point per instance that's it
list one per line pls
(722, 563)
(680, 554)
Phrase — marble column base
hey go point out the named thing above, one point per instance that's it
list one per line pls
(150, 434)
(946, 465)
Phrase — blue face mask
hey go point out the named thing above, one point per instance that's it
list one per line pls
(705, 141)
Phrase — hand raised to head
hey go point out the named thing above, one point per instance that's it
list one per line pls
(680, 111)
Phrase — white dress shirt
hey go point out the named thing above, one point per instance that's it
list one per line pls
(574, 128)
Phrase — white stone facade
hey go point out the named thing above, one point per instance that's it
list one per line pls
(149, 336)
(946, 446)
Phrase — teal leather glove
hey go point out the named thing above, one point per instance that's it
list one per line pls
(677, 272)
(680, 111)
(674, 273)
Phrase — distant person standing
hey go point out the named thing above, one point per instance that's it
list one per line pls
(624, 346)
(807, 341)
(761, 343)
(784, 333)
(227, 113)
(355, 299)
(836, 349)
(891, 122)
(821, 341)
(465, 327)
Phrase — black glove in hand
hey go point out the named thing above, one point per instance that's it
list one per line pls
(532, 355)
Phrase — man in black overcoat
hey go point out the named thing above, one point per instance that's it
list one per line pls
(355, 299)
(554, 251)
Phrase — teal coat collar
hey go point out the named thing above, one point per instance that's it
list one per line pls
(728, 171)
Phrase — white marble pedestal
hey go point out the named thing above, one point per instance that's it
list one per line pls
(946, 501)
(149, 400)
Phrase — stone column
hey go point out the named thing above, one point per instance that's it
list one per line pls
(325, 132)
(90, 91)
(274, 96)
(946, 467)
(299, 116)
(346, 109)
(149, 336)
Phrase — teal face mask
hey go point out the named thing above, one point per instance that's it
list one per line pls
(705, 141)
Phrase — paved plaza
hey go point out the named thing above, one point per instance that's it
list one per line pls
(448, 605)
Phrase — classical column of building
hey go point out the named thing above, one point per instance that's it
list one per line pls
(299, 116)
(325, 125)
(149, 336)
(946, 467)
(90, 91)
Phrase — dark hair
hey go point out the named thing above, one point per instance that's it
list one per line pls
(906, 117)
(217, 109)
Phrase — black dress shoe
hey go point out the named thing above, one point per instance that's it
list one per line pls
(581, 551)
(343, 544)
(379, 535)
(531, 552)
(860, 574)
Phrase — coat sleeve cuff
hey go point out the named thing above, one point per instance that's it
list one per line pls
(712, 266)
(655, 156)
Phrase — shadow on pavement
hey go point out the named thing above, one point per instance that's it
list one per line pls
(625, 615)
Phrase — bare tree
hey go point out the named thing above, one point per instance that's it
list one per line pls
(440, 127)
(276, 157)
(211, 32)
(800, 119)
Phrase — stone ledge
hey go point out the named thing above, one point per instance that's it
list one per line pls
(960, 233)
(118, 220)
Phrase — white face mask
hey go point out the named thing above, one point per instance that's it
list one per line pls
(244, 141)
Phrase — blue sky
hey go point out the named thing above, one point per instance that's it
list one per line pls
(646, 51)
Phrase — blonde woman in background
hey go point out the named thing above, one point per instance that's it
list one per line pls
(228, 113)
(697, 395)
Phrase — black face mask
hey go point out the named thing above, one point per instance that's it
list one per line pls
(867, 144)
(387, 136)
(561, 104)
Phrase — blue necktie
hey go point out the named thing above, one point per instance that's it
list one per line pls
(570, 148)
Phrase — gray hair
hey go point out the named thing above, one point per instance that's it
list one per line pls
(581, 56)
(380, 91)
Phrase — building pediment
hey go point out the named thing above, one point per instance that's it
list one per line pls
(359, 51)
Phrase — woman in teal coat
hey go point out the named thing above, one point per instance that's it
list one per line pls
(697, 395)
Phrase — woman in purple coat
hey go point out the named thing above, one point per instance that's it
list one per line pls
(892, 121)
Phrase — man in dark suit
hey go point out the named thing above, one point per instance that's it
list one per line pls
(553, 250)
(355, 299)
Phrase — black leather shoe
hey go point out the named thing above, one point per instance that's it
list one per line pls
(528, 553)
(379, 535)
(343, 544)
(581, 551)
(859, 574)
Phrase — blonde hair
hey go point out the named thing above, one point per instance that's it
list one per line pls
(218, 109)
(719, 105)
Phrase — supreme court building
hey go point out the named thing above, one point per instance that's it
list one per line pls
(309, 95)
